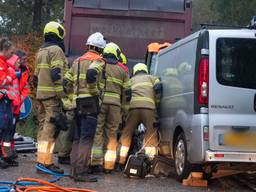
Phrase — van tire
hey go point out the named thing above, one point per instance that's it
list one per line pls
(181, 164)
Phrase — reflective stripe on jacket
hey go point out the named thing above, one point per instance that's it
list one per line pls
(116, 84)
(90, 59)
(14, 92)
(143, 95)
(48, 59)
(5, 79)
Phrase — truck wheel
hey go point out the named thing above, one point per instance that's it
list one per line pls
(182, 166)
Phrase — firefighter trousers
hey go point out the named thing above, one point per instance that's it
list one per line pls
(148, 118)
(82, 143)
(48, 110)
(65, 138)
(6, 128)
(106, 137)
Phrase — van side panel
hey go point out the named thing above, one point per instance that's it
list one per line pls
(176, 68)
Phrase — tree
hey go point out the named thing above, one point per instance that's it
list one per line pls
(23, 16)
(226, 12)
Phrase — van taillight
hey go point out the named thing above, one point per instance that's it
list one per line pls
(203, 81)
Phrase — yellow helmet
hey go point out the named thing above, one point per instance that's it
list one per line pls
(55, 28)
(123, 58)
(140, 67)
(112, 48)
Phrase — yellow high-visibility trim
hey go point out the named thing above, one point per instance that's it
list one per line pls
(148, 84)
(156, 81)
(101, 85)
(69, 76)
(114, 95)
(57, 63)
(43, 66)
(115, 80)
(81, 76)
(110, 155)
(50, 89)
(81, 95)
(97, 152)
(127, 85)
(143, 99)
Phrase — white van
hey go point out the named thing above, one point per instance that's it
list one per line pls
(208, 108)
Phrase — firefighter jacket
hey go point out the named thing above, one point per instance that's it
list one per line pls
(77, 75)
(144, 94)
(116, 85)
(6, 78)
(51, 66)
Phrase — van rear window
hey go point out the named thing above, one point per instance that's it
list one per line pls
(236, 62)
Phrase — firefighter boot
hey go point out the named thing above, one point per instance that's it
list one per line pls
(64, 160)
(51, 167)
(85, 177)
(97, 169)
(3, 164)
(81, 177)
(11, 162)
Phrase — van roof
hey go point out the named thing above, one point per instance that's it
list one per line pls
(243, 33)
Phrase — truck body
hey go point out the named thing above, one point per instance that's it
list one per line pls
(132, 24)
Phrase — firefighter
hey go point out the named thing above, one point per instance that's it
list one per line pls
(6, 98)
(146, 91)
(50, 67)
(84, 76)
(116, 87)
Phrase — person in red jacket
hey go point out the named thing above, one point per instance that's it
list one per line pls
(21, 89)
(18, 63)
(6, 97)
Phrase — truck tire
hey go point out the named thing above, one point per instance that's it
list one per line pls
(182, 166)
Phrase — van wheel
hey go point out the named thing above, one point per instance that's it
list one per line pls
(182, 166)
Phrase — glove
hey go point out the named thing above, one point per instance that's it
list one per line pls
(55, 74)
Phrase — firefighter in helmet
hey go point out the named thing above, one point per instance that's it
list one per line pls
(116, 87)
(84, 76)
(146, 91)
(49, 70)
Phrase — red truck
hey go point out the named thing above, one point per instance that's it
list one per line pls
(132, 24)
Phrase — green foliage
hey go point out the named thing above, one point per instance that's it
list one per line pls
(226, 12)
(28, 127)
(23, 16)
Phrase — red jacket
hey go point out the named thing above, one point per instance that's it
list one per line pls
(6, 79)
(20, 85)
(14, 90)
(23, 81)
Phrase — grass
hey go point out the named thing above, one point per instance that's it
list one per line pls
(28, 127)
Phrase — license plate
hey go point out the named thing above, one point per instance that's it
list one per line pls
(240, 139)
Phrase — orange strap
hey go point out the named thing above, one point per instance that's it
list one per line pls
(91, 56)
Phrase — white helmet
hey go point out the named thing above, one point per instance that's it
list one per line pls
(97, 40)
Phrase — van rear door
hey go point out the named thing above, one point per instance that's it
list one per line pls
(232, 90)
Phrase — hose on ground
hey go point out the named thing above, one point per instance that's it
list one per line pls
(46, 187)
(32, 184)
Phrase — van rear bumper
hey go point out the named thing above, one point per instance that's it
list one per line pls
(220, 156)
